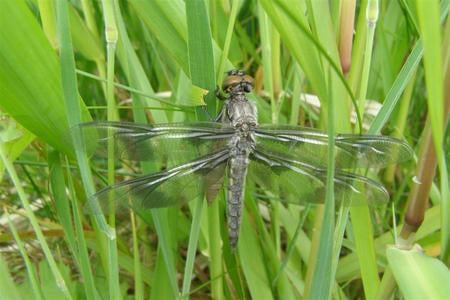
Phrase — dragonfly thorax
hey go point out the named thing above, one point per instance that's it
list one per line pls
(241, 114)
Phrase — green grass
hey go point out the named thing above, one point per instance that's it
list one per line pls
(59, 67)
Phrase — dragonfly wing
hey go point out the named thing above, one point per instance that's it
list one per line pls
(352, 151)
(300, 183)
(174, 142)
(174, 186)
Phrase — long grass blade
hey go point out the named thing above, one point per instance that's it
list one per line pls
(74, 117)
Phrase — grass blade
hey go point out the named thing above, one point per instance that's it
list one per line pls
(71, 98)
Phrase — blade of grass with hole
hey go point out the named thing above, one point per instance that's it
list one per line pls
(202, 73)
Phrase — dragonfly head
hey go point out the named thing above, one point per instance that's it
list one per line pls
(237, 83)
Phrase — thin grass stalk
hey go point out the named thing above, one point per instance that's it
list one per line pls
(34, 222)
(401, 123)
(371, 17)
(446, 60)
(138, 283)
(268, 58)
(321, 280)
(192, 248)
(397, 88)
(134, 91)
(362, 226)
(275, 77)
(226, 45)
(339, 232)
(359, 38)
(298, 79)
(92, 26)
(329, 223)
(111, 35)
(37, 293)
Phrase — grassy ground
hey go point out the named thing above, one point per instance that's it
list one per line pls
(62, 63)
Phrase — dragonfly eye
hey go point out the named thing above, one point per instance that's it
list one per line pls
(247, 87)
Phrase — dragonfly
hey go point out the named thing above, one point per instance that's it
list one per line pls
(199, 157)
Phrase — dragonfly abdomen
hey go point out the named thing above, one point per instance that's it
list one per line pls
(236, 184)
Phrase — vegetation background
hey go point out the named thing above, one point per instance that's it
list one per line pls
(64, 62)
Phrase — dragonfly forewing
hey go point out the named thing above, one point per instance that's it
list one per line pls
(172, 143)
(352, 151)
